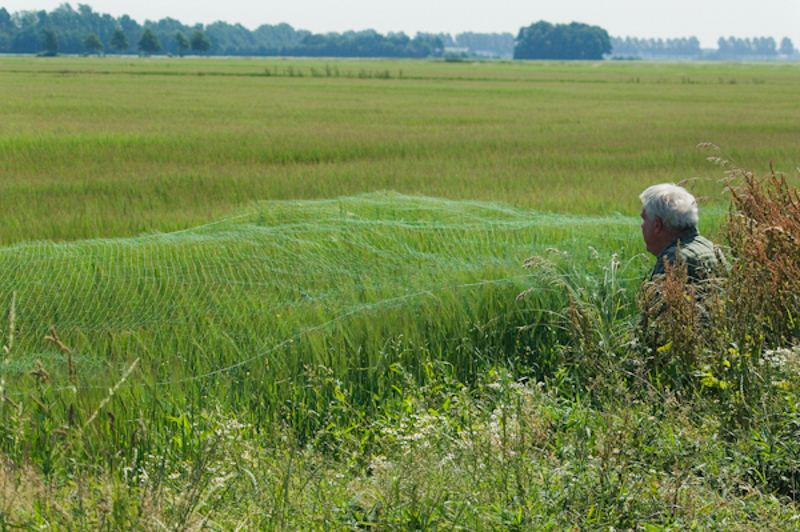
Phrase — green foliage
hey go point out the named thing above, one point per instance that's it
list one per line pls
(598, 320)
(787, 48)
(543, 40)
(5, 20)
(70, 25)
(149, 42)
(93, 43)
(182, 43)
(119, 40)
(366, 44)
(50, 42)
(200, 42)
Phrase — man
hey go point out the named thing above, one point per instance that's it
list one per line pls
(669, 228)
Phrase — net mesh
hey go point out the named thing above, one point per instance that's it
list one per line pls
(282, 268)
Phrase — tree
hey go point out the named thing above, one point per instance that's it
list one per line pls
(5, 20)
(148, 42)
(764, 46)
(93, 43)
(543, 40)
(130, 27)
(182, 42)
(200, 42)
(787, 48)
(50, 42)
(119, 41)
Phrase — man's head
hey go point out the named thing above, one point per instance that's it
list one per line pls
(667, 211)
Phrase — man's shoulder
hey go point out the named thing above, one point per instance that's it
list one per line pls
(697, 246)
(692, 249)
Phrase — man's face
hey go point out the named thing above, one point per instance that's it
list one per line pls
(650, 233)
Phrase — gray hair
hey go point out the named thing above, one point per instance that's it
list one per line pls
(675, 206)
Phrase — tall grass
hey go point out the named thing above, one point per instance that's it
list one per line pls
(248, 304)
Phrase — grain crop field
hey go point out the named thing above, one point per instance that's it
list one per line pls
(119, 146)
(287, 294)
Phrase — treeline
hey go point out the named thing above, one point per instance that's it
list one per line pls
(689, 48)
(27, 32)
(367, 43)
(657, 48)
(758, 48)
(81, 30)
(67, 30)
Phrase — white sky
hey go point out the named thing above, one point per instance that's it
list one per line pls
(706, 19)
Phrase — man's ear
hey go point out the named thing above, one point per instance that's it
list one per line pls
(658, 225)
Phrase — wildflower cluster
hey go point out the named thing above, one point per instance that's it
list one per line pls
(782, 359)
(417, 431)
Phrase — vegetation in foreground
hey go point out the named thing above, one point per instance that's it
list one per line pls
(554, 416)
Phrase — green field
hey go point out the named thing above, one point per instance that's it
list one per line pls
(119, 146)
(284, 297)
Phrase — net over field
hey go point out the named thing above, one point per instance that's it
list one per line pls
(241, 288)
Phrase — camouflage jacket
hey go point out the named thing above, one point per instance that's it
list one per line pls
(691, 249)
